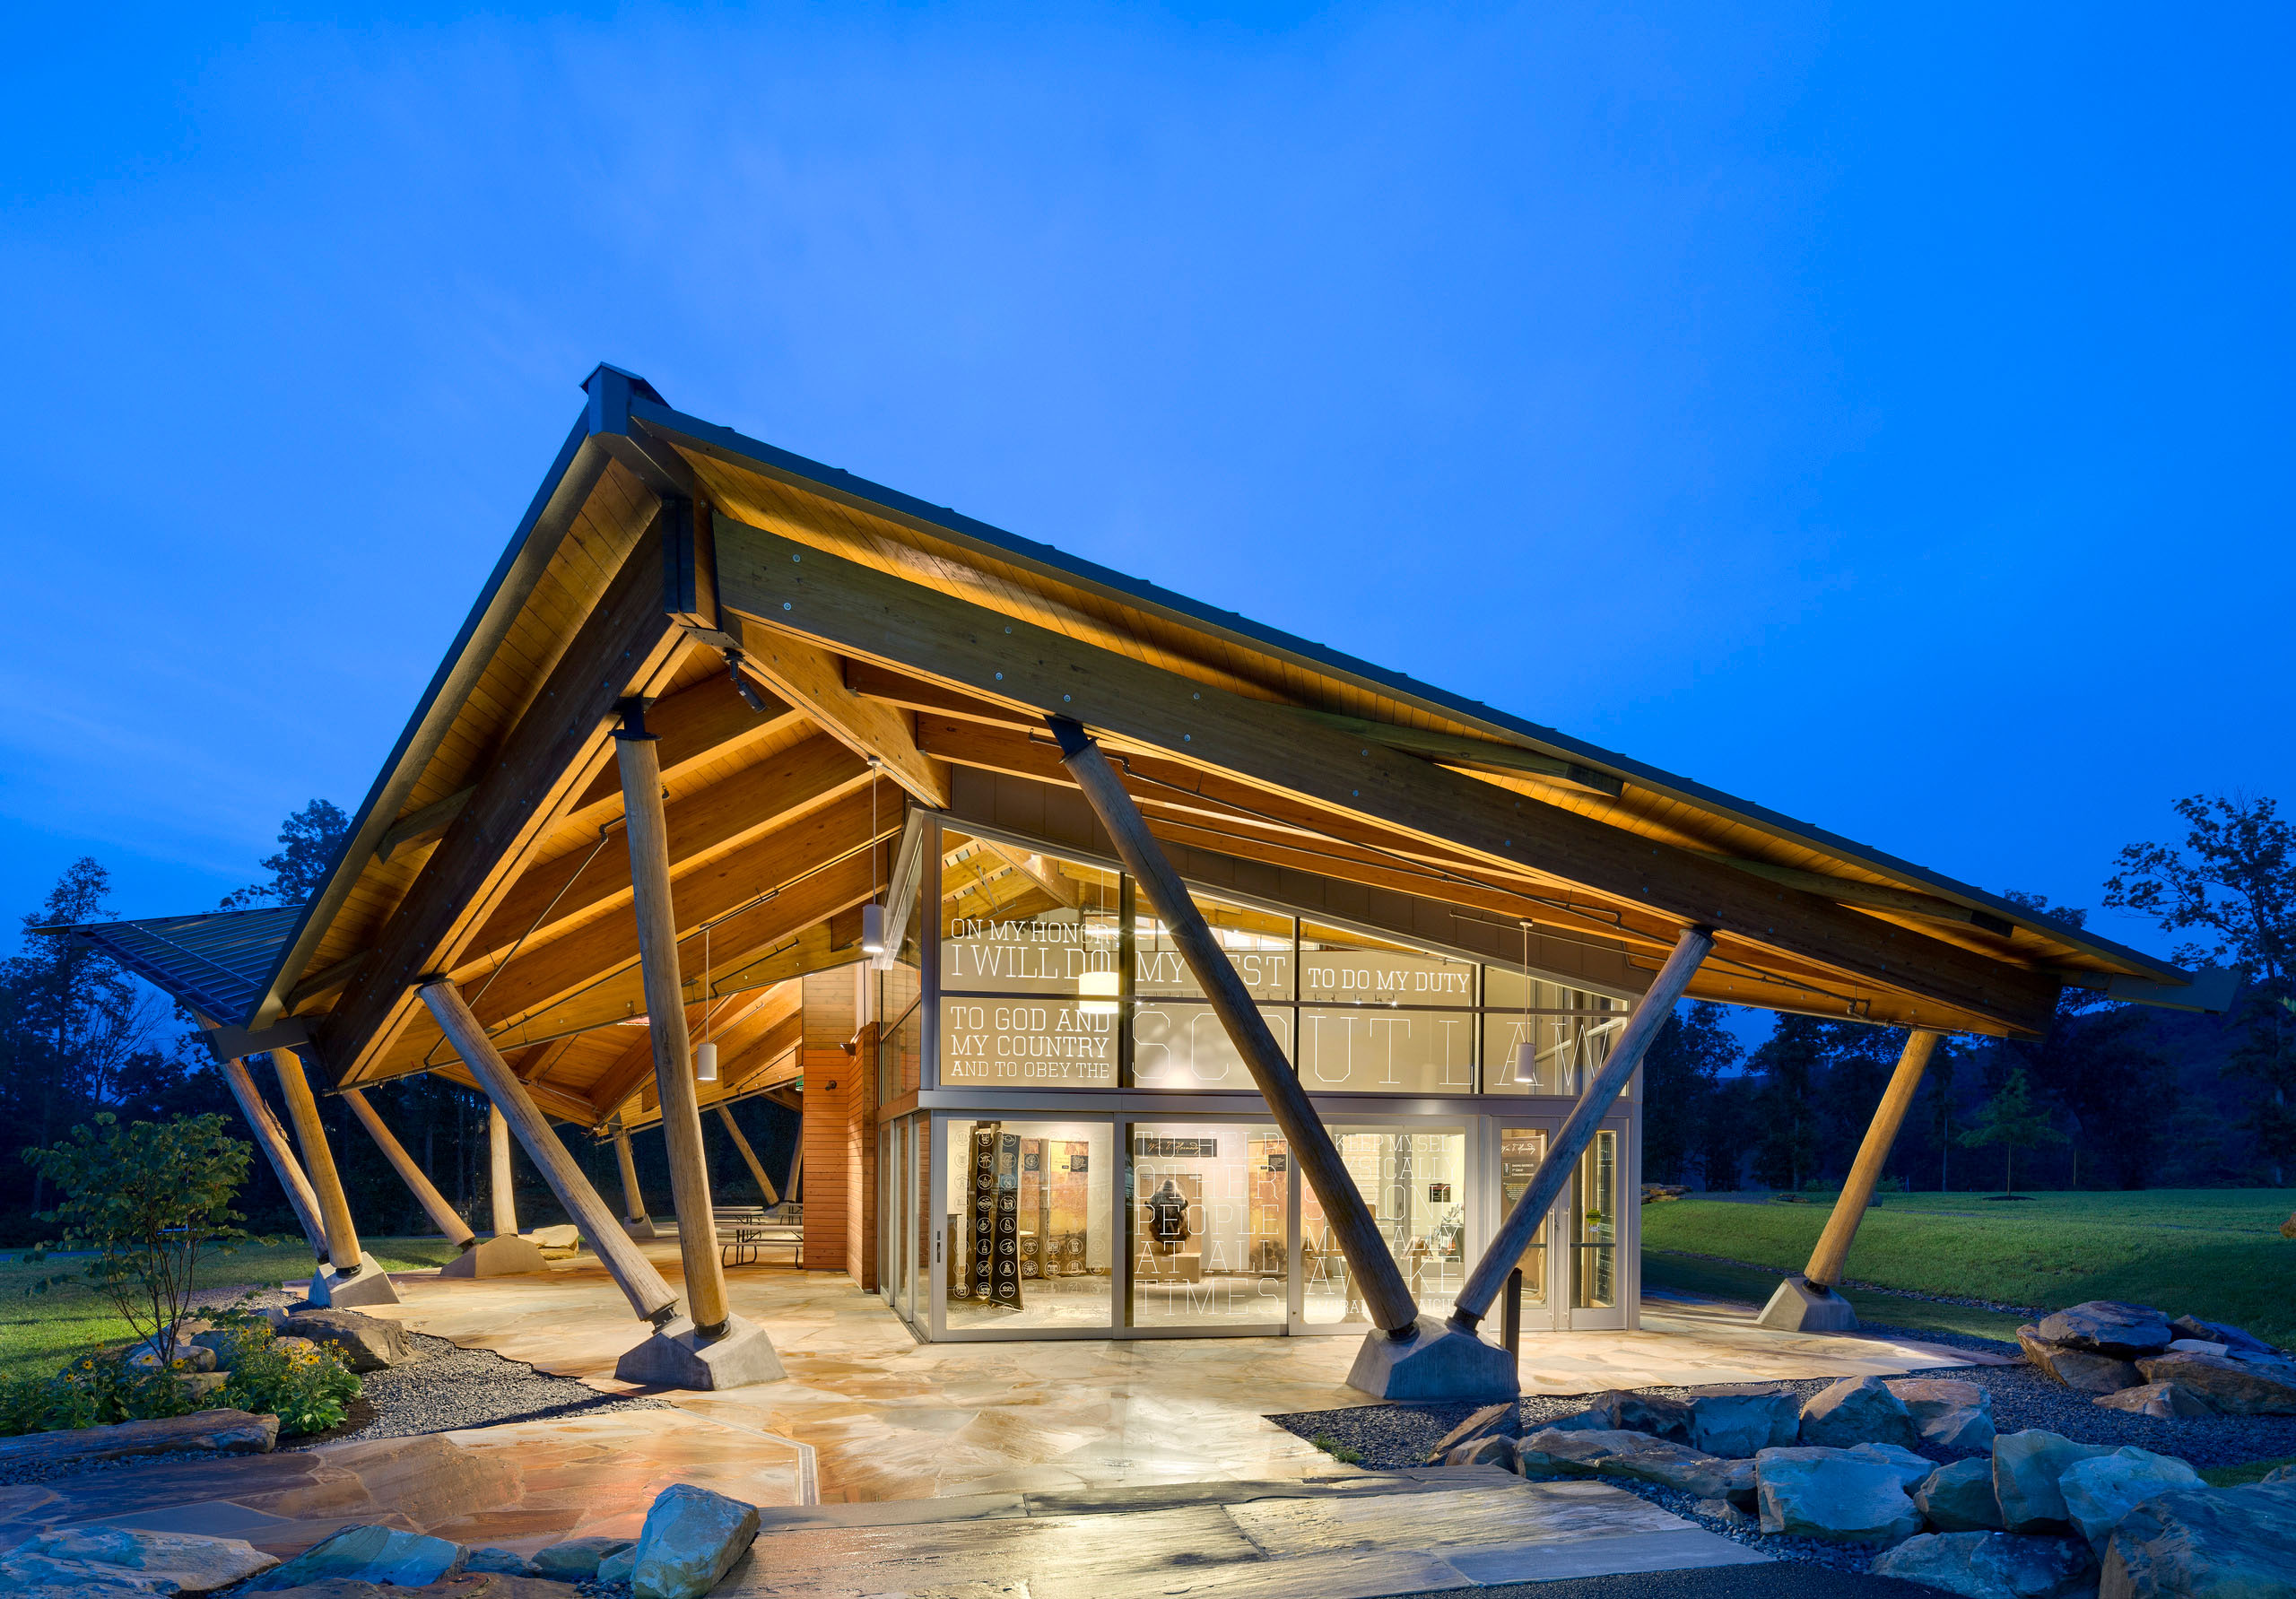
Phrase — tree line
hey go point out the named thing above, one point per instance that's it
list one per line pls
(80, 1034)
(2112, 1095)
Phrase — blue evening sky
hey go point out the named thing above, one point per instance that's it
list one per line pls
(1880, 411)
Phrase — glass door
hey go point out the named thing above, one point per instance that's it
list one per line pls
(1594, 1224)
(1207, 1239)
(899, 1216)
(1413, 1177)
(1521, 1150)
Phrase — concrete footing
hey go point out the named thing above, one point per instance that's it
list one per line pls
(642, 1228)
(1436, 1362)
(371, 1286)
(506, 1255)
(1801, 1306)
(677, 1357)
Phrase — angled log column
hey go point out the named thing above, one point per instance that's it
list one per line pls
(443, 1216)
(797, 1164)
(1407, 1356)
(757, 1168)
(272, 1137)
(1506, 1249)
(635, 1222)
(505, 1254)
(1810, 1302)
(352, 1276)
(710, 1347)
(649, 1295)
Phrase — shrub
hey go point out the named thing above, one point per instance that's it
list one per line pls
(308, 1387)
(147, 1198)
(96, 1388)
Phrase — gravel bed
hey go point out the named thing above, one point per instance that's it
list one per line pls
(445, 1387)
(1392, 1435)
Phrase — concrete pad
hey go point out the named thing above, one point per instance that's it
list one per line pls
(503, 1256)
(1436, 1362)
(371, 1286)
(643, 1228)
(1803, 1306)
(677, 1357)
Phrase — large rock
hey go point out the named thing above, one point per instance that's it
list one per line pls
(1742, 1421)
(1959, 1498)
(617, 1567)
(2108, 1328)
(2084, 1371)
(2163, 1402)
(378, 1554)
(2206, 1543)
(1948, 1413)
(189, 1356)
(2098, 1492)
(1680, 1467)
(364, 1342)
(1993, 1566)
(1829, 1494)
(1660, 1417)
(2236, 1387)
(508, 1562)
(2217, 1332)
(174, 1562)
(1574, 1451)
(690, 1539)
(1857, 1410)
(1913, 1470)
(576, 1559)
(1503, 1420)
(1495, 1449)
(2026, 1466)
(223, 1432)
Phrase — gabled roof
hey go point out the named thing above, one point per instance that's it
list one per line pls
(659, 542)
(217, 962)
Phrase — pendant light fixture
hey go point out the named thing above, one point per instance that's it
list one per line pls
(705, 1053)
(872, 913)
(1527, 1049)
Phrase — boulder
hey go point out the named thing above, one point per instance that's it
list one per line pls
(1993, 1565)
(379, 1554)
(1913, 1470)
(508, 1561)
(1728, 1514)
(1622, 1410)
(2081, 1371)
(1742, 1421)
(690, 1539)
(174, 1562)
(2162, 1401)
(1484, 1451)
(576, 1559)
(1959, 1498)
(617, 1567)
(2235, 1387)
(1680, 1467)
(1586, 1420)
(1948, 1413)
(1829, 1494)
(1503, 1420)
(1961, 1432)
(364, 1342)
(1857, 1410)
(223, 1432)
(2026, 1466)
(2281, 1474)
(2198, 1346)
(2216, 1331)
(2098, 1492)
(2108, 1328)
(190, 1356)
(1553, 1451)
(2206, 1543)
(25, 1573)
(565, 1235)
(200, 1387)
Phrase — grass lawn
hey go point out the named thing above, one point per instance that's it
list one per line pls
(2214, 1253)
(2248, 1470)
(38, 1333)
(1752, 1284)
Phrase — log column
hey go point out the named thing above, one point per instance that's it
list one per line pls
(649, 1296)
(334, 1210)
(1832, 1253)
(1586, 1120)
(633, 1203)
(647, 831)
(499, 1190)
(272, 1138)
(442, 1215)
(757, 1166)
(1369, 1263)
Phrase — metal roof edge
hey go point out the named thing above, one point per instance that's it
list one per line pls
(945, 522)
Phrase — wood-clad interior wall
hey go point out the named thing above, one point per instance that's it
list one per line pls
(830, 1018)
(861, 1147)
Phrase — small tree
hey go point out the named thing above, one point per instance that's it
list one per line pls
(2011, 1118)
(148, 1198)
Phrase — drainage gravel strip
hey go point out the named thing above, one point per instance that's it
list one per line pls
(1388, 1437)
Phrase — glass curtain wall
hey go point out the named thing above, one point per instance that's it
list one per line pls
(1026, 1213)
(1209, 1237)
(1414, 1179)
